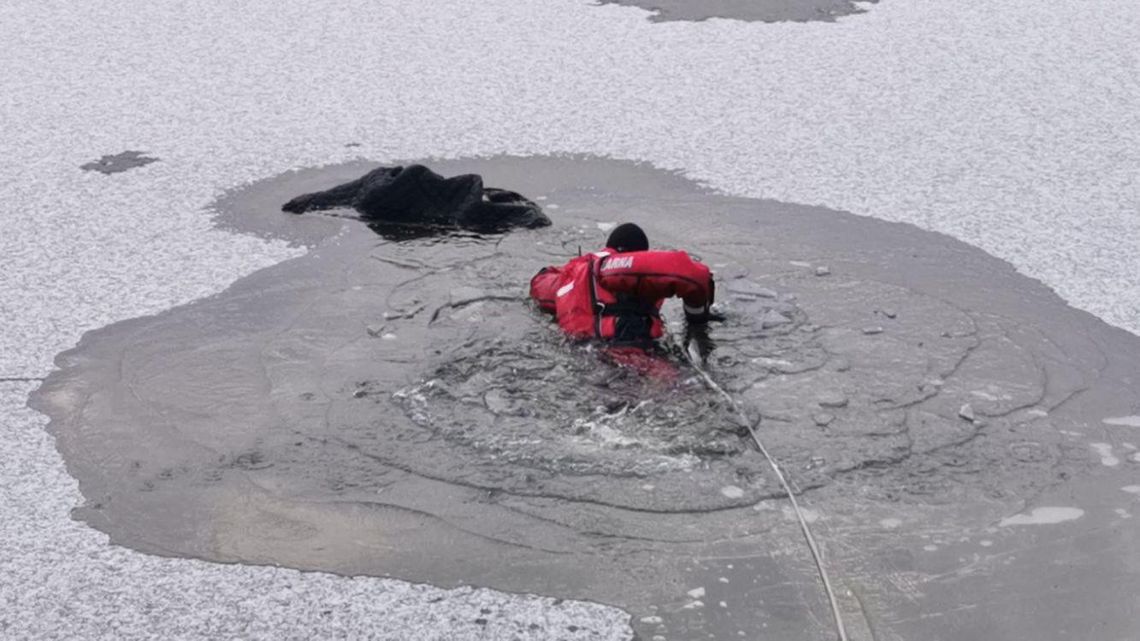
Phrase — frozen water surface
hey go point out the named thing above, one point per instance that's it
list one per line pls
(1010, 125)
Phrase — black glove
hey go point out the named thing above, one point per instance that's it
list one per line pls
(697, 334)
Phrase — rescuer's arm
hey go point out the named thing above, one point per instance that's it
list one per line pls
(702, 314)
(544, 287)
(697, 317)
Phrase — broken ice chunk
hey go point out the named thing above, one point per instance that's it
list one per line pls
(832, 398)
(773, 319)
(966, 412)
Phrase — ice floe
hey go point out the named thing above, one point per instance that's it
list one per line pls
(1044, 516)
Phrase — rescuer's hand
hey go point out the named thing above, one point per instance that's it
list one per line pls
(697, 336)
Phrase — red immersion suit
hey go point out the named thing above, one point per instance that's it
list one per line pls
(616, 296)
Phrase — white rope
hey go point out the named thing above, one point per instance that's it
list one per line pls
(816, 557)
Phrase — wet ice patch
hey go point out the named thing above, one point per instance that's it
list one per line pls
(1104, 450)
(1044, 516)
(1124, 421)
(503, 428)
(118, 163)
(751, 11)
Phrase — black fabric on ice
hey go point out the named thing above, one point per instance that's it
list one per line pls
(415, 195)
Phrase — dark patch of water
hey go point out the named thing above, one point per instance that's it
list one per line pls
(118, 163)
(398, 408)
(748, 10)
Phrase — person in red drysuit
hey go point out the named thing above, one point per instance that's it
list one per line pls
(615, 295)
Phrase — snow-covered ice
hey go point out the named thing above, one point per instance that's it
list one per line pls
(1009, 125)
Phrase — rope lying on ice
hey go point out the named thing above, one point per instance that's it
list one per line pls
(816, 557)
